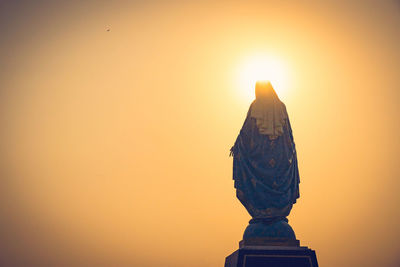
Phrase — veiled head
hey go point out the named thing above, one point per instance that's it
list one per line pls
(264, 90)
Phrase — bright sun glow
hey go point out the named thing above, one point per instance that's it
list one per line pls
(263, 67)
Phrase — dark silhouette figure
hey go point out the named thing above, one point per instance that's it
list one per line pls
(265, 162)
(267, 183)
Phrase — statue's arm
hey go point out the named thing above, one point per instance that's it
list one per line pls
(289, 129)
(243, 135)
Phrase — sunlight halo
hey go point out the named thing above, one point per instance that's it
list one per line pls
(262, 67)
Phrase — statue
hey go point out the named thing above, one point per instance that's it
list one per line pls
(265, 171)
(267, 184)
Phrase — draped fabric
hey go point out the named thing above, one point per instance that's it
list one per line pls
(270, 115)
(265, 168)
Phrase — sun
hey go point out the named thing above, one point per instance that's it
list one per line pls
(262, 67)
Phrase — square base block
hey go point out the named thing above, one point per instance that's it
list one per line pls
(272, 256)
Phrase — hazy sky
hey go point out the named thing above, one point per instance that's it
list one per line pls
(117, 118)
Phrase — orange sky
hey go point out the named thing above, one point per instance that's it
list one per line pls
(114, 144)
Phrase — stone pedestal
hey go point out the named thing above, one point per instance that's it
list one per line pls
(272, 256)
(275, 233)
(271, 243)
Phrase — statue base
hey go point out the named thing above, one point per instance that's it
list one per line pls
(271, 243)
(269, 233)
(272, 256)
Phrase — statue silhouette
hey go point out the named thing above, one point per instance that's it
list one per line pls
(265, 168)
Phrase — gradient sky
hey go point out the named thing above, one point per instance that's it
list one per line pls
(117, 118)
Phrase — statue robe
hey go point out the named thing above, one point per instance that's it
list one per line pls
(265, 170)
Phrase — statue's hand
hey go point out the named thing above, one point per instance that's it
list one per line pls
(231, 154)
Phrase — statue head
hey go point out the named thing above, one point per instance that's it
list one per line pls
(264, 90)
